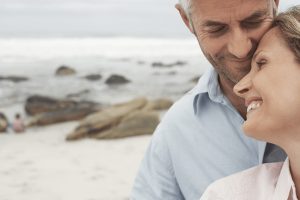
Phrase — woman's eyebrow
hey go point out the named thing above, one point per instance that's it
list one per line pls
(256, 54)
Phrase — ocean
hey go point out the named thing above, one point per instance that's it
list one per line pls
(38, 59)
(96, 37)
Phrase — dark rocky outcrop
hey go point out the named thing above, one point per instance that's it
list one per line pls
(93, 77)
(161, 64)
(77, 112)
(49, 110)
(41, 104)
(65, 71)
(116, 79)
(195, 79)
(14, 79)
(78, 94)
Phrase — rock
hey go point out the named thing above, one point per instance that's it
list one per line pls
(172, 73)
(105, 119)
(116, 79)
(158, 64)
(78, 94)
(158, 104)
(180, 63)
(3, 123)
(15, 79)
(79, 111)
(93, 77)
(40, 104)
(136, 123)
(140, 62)
(65, 71)
(195, 79)
(161, 64)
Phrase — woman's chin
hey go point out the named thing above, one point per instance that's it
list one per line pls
(251, 130)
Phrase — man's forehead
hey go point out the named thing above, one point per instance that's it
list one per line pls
(222, 9)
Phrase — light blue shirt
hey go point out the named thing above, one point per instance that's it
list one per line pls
(199, 140)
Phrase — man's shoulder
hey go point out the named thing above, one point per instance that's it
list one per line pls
(254, 180)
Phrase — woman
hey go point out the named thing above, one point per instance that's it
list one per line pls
(272, 95)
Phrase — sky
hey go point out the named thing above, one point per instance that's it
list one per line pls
(94, 18)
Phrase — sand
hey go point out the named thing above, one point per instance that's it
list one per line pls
(41, 165)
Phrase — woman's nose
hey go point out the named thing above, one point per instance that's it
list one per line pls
(243, 86)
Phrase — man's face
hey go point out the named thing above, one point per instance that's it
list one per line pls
(228, 32)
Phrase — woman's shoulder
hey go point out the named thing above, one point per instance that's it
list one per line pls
(258, 182)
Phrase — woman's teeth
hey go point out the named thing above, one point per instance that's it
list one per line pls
(254, 105)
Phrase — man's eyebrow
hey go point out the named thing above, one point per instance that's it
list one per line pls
(257, 15)
(211, 23)
(254, 16)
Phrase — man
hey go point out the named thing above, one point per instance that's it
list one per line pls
(200, 138)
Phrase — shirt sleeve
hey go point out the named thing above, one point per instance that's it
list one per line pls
(156, 179)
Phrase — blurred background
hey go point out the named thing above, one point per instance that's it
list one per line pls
(64, 60)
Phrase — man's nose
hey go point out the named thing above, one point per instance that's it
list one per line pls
(243, 86)
(239, 45)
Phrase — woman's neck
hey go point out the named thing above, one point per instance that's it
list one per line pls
(293, 153)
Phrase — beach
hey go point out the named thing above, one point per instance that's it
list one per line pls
(41, 164)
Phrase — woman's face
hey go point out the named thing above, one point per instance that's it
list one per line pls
(272, 91)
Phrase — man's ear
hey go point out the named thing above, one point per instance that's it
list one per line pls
(184, 17)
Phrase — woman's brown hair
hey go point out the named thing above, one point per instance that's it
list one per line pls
(289, 24)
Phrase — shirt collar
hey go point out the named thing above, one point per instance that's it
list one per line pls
(209, 83)
(285, 187)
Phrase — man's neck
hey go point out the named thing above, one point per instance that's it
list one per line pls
(238, 102)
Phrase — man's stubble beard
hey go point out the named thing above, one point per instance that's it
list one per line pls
(223, 70)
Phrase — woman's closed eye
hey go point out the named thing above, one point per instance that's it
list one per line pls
(261, 63)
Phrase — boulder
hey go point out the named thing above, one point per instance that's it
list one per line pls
(158, 104)
(141, 62)
(79, 111)
(78, 94)
(93, 77)
(105, 119)
(195, 79)
(161, 64)
(136, 123)
(14, 79)
(40, 104)
(3, 123)
(116, 79)
(65, 71)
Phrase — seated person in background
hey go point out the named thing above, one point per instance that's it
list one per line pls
(3, 123)
(272, 94)
(18, 125)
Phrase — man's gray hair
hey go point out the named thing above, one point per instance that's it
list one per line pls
(185, 5)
